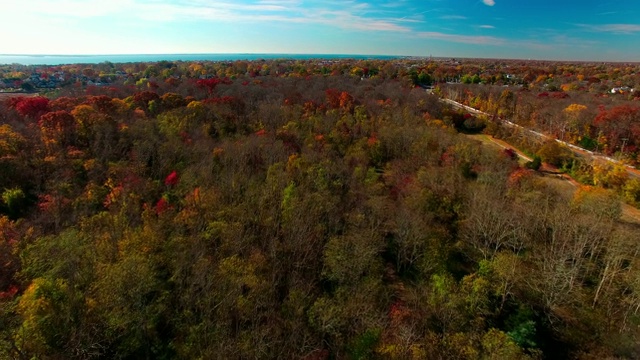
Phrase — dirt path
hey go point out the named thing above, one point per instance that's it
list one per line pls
(486, 139)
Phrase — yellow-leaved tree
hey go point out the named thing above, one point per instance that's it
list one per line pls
(574, 122)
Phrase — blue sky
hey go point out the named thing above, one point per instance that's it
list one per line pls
(542, 29)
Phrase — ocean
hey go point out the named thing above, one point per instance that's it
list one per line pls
(96, 59)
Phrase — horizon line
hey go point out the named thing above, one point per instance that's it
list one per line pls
(216, 53)
(320, 55)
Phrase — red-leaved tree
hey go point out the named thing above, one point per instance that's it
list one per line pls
(32, 107)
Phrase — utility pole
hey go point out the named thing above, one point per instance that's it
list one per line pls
(624, 142)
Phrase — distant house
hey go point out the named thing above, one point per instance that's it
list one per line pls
(621, 90)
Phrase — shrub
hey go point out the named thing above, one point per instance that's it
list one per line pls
(535, 164)
(15, 201)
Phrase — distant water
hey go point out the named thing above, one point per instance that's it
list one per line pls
(95, 59)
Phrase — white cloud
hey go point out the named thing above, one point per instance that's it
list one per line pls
(344, 14)
(453, 17)
(614, 28)
(487, 27)
(489, 2)
(280, 2)
(348, 15)
(66, 8)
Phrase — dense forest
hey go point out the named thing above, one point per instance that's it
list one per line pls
(321, 211)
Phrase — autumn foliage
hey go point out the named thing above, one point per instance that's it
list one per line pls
(313, 210)
(31, 107)
(171, 179)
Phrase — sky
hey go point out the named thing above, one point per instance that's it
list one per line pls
(521, 29)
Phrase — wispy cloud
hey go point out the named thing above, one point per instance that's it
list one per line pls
(487, 27)
(395, 4)
(280, 2)
(346, 20)
(453, 17)
(67, 8)
(613, 28)
(489, 2)
(418, 17)
(465, 39)
(345, 14)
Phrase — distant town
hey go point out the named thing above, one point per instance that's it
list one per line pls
(612, 78)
